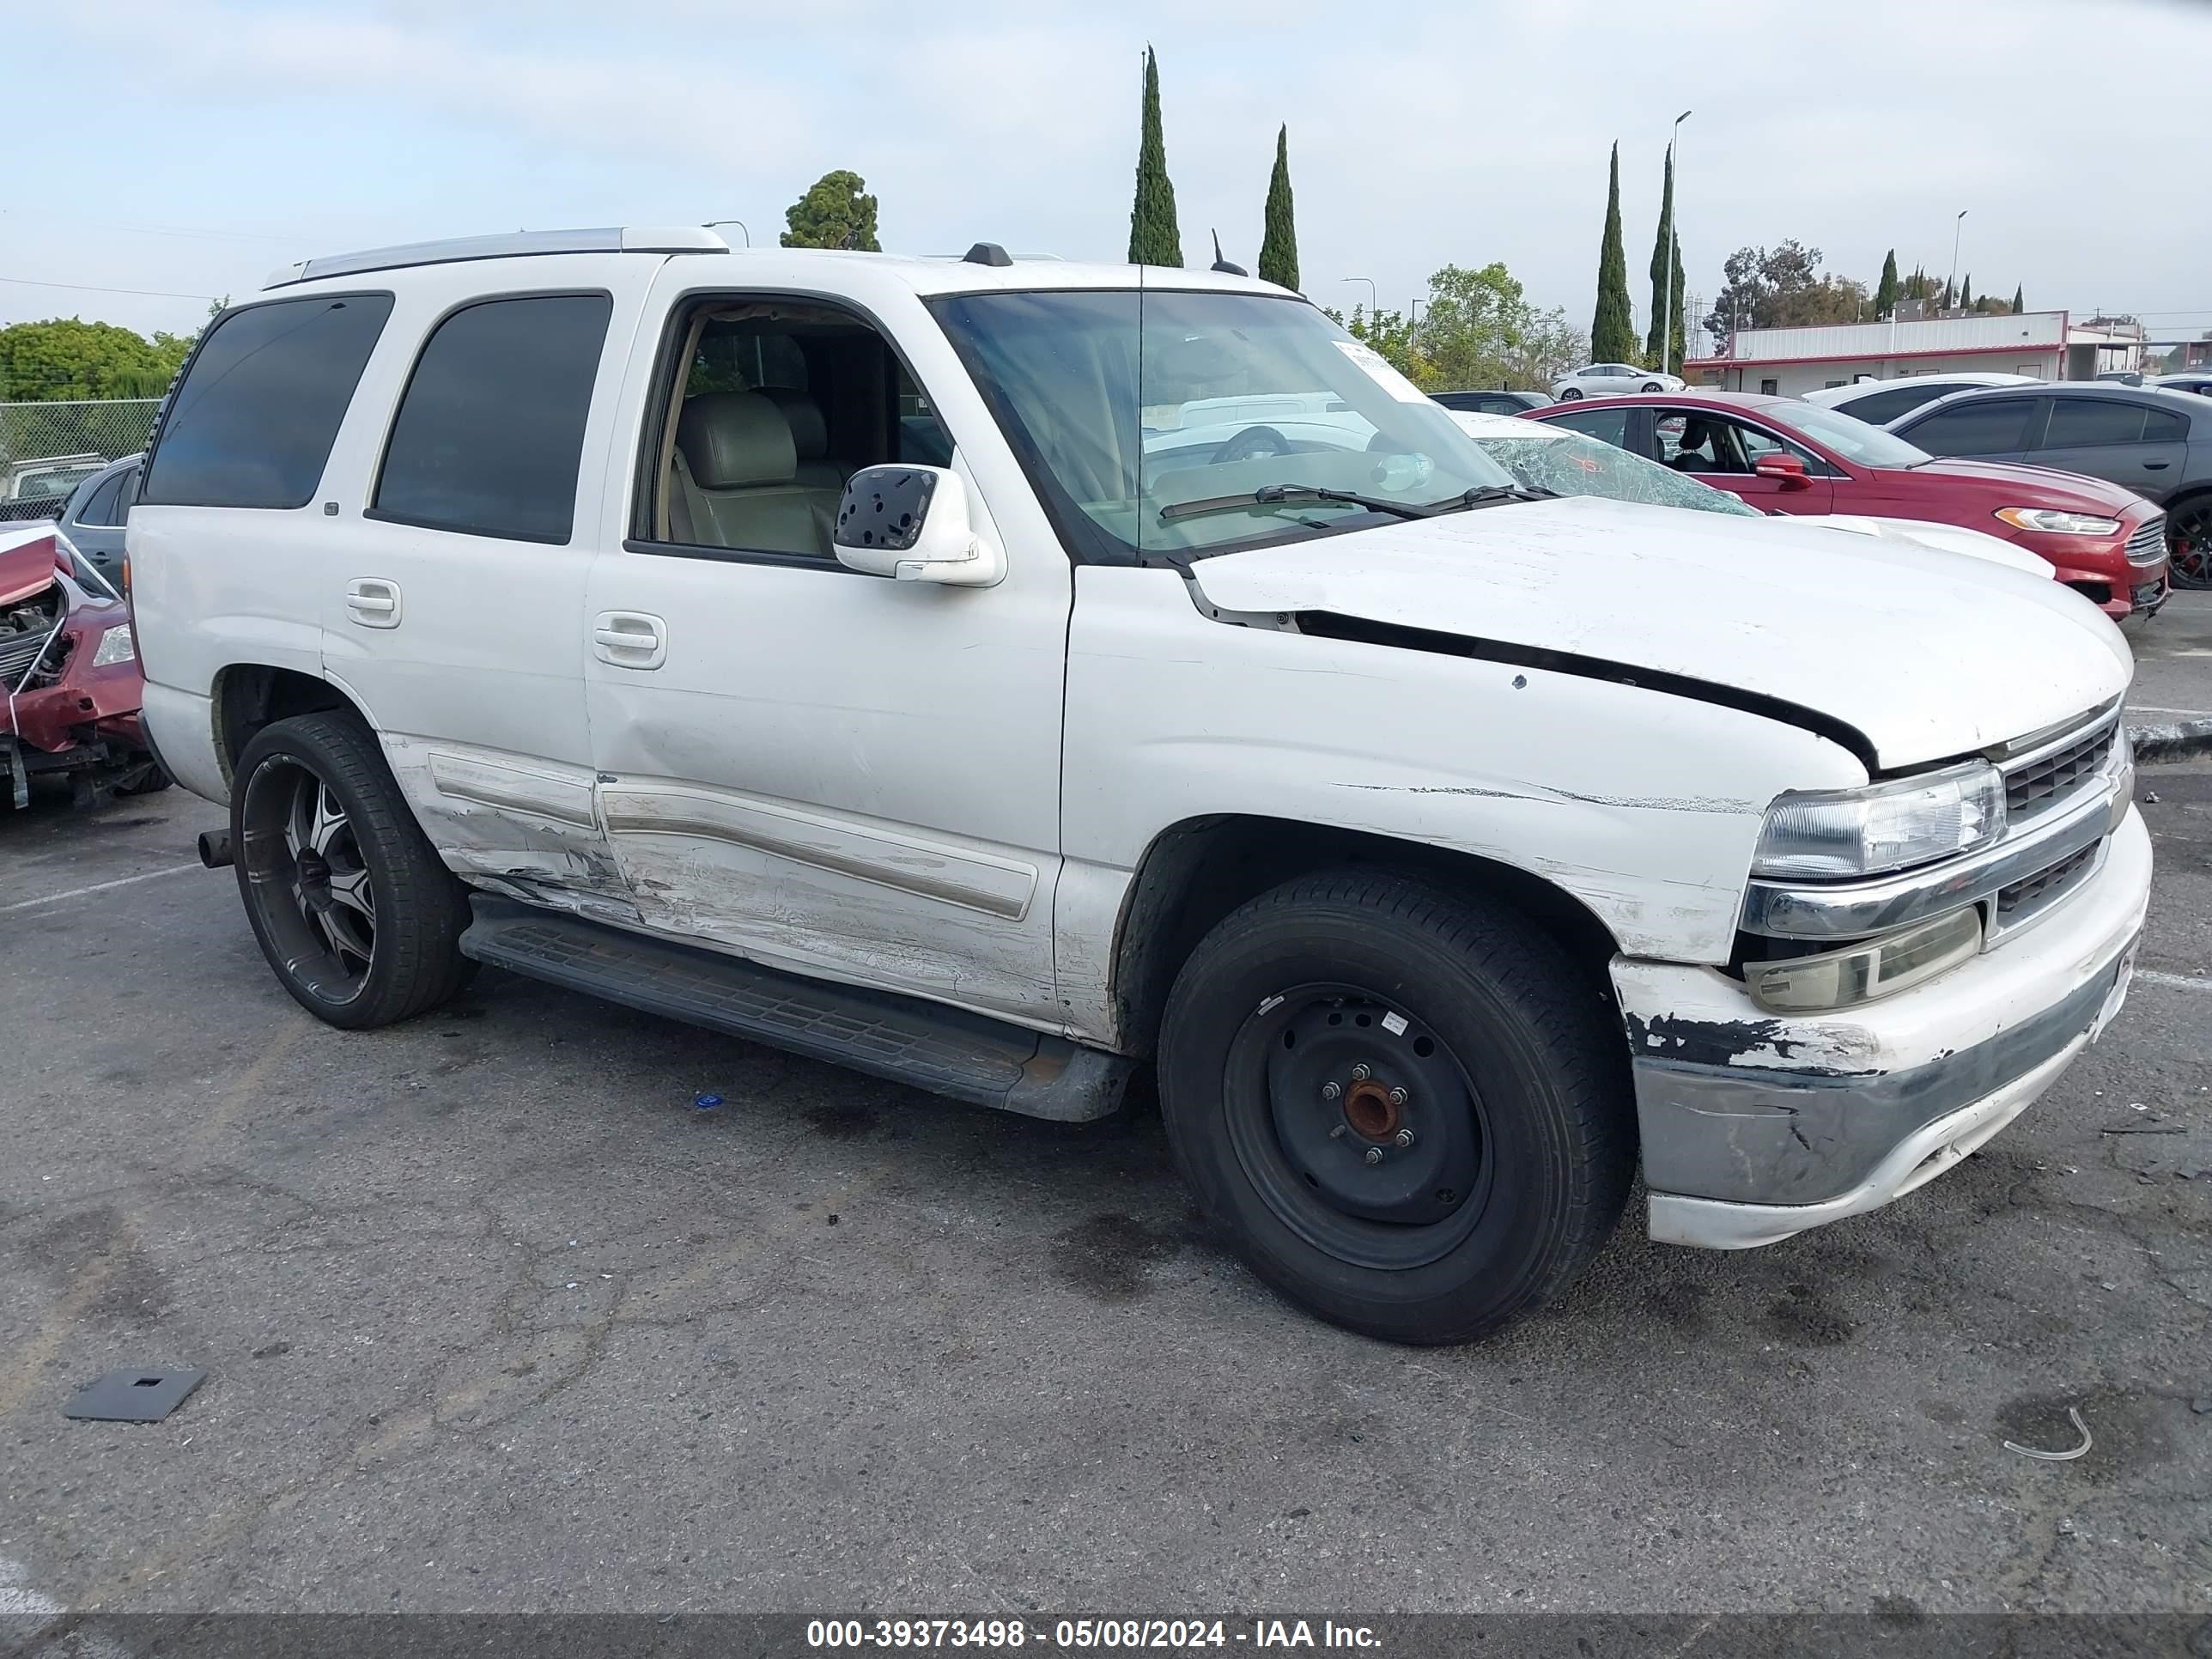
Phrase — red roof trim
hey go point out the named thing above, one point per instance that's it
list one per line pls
(2031, 349)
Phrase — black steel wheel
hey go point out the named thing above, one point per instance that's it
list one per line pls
(1406, 1111)
(351, 906)
(2188, 543)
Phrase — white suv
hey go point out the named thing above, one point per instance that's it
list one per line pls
(905, 662)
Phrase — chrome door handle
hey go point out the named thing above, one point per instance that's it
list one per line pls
(629, 639)
(373, 601)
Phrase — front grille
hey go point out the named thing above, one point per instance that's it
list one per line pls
(2147, 545)
(2047, 883)
(2049, 778)
(17, 653)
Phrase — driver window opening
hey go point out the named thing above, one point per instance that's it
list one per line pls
(780, 403)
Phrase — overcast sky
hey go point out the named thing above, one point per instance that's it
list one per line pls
(1423, 132)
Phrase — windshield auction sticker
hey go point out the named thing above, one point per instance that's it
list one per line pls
(1379, 370)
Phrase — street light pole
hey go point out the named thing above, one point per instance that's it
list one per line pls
(1958, 224)
(1374, 298)
(1666, 295)
(739, 223)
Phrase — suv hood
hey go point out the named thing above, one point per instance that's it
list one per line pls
(2052, 487)
(27, 564)
(1928, 653)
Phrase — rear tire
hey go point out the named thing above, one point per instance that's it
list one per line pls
(1504, 1074)
(1572, 395)
(357, 917)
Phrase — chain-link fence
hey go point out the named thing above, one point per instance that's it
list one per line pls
(47, 449)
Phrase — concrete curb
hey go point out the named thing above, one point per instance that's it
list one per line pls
(2171, 740)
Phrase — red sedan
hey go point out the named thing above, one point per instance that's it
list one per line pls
(2106, 542)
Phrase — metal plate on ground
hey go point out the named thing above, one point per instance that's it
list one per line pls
(146, 1395)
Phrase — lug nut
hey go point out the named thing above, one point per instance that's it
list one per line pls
(1404, 1136)
(1374, 1154)
(1337, 1134)
(1397, 1096)
(1359, 1072)
(1331, 1090)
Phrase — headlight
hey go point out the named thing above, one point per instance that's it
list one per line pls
(116, 645)
(2064, 523)
(1885, 826)
(1879, 967)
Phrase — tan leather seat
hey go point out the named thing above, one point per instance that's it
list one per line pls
(810, 437)
(736, 469)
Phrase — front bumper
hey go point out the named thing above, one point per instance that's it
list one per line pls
(1756, 1126)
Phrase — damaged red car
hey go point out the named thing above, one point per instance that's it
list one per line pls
(69, 670)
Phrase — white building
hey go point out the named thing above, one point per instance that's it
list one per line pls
(2046, 344)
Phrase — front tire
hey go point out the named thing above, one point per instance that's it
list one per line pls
(1653, 385)
(2188, 543)
(1406, 1111)
(357, 917)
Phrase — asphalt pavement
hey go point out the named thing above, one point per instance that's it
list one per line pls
(2170, 708)
(493, 1318)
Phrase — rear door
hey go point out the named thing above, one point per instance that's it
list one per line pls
(2124, 442)
(463, 503)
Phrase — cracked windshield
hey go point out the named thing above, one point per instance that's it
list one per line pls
(1175, 422)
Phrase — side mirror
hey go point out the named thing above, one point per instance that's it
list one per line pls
(910, 522)
(1785, 469)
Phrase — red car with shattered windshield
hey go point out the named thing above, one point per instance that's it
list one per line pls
(1788, 456)
(69, 673)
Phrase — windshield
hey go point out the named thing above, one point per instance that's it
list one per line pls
(1571, 463)
(1853, 440)
(1125, 405)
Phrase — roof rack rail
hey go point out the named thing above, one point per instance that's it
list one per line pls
(612, 238)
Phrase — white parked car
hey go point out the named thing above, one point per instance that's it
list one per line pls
(1569, 462)
(1879, 401)
(1611, 381)
(578, 604)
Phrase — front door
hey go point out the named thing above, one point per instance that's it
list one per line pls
(1724, 451)
(824, 771)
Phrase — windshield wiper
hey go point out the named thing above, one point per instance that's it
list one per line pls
(1492, 495)
(1282, 495)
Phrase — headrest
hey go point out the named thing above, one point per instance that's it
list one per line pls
(731, 440)
(810, 433)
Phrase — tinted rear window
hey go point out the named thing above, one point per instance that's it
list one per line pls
(1991, 426)
(491, 429)
(253, 422)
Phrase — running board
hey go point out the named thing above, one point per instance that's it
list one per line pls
(946, 1051)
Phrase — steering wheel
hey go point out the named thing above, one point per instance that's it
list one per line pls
(1252, 444)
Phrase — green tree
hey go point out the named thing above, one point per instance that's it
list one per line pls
(1666, 294)
(1886, 292)
(1392, 336)
(1279, 243)
(836, 211)
(2019, 300)
(1966, 293)
(1478, 329)
(1153, 238)
(1613, 328)
(1783, 287)
(66, 358)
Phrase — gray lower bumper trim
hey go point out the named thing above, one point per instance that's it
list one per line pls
(1751, 1136)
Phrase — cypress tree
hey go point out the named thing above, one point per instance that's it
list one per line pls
(1885, 292)
(1613, 328)
(1153, 238)
(1966, 293)
(2019, 301)
(1279, 243)
(1665, 297)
